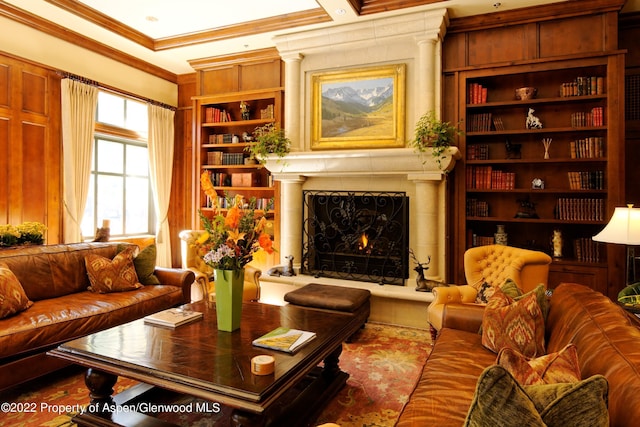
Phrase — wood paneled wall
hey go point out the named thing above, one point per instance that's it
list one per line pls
(30, 146)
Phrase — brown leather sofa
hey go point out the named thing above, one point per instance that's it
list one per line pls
(55, 278)
(607, 340)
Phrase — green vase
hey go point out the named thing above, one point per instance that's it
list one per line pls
(229, 289)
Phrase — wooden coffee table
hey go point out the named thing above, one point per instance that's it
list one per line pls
(198, 360)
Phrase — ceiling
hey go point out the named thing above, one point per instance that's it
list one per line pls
(168, 33)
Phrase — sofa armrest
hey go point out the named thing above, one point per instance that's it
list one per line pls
(177, 277)
(465, 317)
(454, 294)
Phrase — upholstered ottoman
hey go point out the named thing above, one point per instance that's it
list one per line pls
(334, 298)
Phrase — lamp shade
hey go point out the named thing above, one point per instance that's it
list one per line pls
(623, 228)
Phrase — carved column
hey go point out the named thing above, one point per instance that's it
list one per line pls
(291, 216)
(429, 230)
(292, 98)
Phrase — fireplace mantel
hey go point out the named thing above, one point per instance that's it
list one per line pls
(391, 161)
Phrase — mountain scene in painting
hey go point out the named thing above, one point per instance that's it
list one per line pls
(362, 108)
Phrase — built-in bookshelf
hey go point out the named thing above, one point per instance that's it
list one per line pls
(225, 126)
(561, 176)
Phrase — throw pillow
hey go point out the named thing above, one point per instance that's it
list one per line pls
(145, 263)
(485, 291)
(552, 368)
(115, 275)
(499, 400)
(583, 403)
(13, 299)
(515, 324)
(511, 289)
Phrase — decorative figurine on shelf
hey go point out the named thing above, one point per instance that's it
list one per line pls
(244, 109)
(556, 241)
(547, 143)
(537, 184)
(500, 236)
(423, 284)
(246, 137)
(532, 121)
(527, 209)
(513, 150)
(103, 233)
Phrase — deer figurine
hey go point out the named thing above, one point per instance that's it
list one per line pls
(423, 284)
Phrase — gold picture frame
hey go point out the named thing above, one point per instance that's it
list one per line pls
(358, 108)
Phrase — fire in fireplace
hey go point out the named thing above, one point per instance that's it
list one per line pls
(356, 235)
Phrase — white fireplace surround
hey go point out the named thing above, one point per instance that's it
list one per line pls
(413, 39)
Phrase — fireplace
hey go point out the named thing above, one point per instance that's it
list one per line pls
(356, 235)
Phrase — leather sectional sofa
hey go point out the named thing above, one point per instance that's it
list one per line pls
(54, 278)
(607, 339)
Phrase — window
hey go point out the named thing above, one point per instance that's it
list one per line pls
(119, 187)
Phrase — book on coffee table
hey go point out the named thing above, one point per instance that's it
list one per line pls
(284, 339)
(172, 317)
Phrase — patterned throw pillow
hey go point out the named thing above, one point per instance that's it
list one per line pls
(115, 275)
(500, 400)
(511, 289)
(515, 324)
(552, 368)
(12, 296)
(485, 292)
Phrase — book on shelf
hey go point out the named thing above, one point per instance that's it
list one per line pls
(477, 94)
(172, 317)
(284, 339)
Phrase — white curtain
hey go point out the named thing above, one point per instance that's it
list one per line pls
(79, 102)
(161, 139)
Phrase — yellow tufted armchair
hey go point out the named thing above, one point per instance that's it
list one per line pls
(191, 260)
(491, 264)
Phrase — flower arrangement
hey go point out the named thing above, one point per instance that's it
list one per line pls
(230, 241)
(23, 234)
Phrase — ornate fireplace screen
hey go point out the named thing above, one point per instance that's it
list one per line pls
(356, 235)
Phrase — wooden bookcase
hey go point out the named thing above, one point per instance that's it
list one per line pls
(221, 148)
(580, 183)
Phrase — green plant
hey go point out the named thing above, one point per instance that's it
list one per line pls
(431, 132)
(270, 139)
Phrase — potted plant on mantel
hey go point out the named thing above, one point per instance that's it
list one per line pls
(269, 139)
(431, 132)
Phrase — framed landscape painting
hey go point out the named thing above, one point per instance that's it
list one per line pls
(358, 108)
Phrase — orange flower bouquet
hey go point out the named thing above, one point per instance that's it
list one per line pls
(230, 241)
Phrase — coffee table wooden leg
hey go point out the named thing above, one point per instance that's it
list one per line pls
(100, 385)
(330, 367)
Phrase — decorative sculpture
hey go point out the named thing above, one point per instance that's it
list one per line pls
(532, 121)
(283, 270)
(547, 143)
(513, 150)
(423, 284)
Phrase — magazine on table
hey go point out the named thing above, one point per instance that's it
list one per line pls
(173, 317)
(284, 339)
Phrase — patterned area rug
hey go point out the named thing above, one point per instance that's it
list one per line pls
(384, 363)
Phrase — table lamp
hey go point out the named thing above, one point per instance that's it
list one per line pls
(623, 228)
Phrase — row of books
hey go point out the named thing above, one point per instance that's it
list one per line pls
(223, 158)
(586, 180)
(477, 94)
(477, 240)
(585, 249)
(478, 152)
(223, 179)
(477, 207)
(216, 115)
(486, 178)
(587, 148)
(480, 122)
(583, 86)
(223, 138)
(593, 118)
(267, 113)
(580, 209)
(260, 203)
